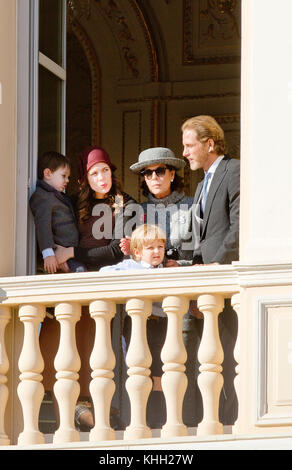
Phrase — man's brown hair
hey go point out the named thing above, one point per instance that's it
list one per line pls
(206, 127)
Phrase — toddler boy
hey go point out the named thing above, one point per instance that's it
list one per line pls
(53, 213)
(147, 248)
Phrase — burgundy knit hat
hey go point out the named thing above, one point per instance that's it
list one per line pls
(90, 157)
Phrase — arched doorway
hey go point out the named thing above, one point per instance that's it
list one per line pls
(152, 65)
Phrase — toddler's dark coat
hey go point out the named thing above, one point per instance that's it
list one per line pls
(54, 217)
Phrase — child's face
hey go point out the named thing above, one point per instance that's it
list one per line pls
(152, 252)
(59, 178)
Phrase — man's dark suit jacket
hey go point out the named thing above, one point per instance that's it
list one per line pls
(54, 217)
(219, 235)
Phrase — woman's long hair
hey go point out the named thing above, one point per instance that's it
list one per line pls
(86, 198)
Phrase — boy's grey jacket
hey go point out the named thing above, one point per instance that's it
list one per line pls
(219, 239)
(54, 217)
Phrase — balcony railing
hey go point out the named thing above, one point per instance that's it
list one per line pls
(24, 301)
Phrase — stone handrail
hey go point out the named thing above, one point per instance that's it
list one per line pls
(30, 295)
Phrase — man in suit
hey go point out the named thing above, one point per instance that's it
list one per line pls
(216, 228)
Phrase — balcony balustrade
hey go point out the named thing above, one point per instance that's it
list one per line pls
(24, 301)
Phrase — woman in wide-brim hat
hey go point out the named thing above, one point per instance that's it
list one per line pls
(168, 207)
(163, 187)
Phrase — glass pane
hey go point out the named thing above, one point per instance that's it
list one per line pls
(50, 29)
(50, 111)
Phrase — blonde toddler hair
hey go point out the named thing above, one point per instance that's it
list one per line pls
(144, 234)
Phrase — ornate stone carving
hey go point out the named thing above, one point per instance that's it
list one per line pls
(122, 31)
(226, 6)
(77, 8)
(116, 13)
(210, 28)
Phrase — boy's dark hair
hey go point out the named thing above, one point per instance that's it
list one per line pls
(53, 161)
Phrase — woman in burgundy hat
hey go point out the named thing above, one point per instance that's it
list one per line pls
(99, 208)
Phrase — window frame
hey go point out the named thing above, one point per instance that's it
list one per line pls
(28, 61)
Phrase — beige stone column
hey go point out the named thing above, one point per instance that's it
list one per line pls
(8, 135)
(5, 316)
(266, 164)
(173, 354)
(211, 356)
(102, 363)
(138, 359)
(31, 364)
(67, 365)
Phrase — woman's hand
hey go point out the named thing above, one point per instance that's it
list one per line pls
(195, 311)
(125, 245)
(171, 263)
(63, 254)
(64, 267)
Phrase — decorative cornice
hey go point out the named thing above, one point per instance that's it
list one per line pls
(227, 118)
(263, 274)
(180, 97)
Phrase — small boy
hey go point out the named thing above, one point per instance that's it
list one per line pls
(147, 248)
(52, 210)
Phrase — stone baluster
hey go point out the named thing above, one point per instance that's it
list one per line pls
(102, 362)
(173, 355)
(4, 366)
(30, 389)
(138, 359)
(211, 356)
(67, 365)
(235, 302)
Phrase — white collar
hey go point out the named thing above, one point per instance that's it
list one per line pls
(149, 266)
(214, 165)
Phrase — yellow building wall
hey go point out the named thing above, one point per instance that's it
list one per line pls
(7, 134)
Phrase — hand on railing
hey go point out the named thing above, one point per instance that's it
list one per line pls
(171, 263)
(51, 264)
(64, 267)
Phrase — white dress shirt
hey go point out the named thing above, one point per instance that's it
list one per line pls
(212, 170)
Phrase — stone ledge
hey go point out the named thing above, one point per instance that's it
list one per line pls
(191, 443)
